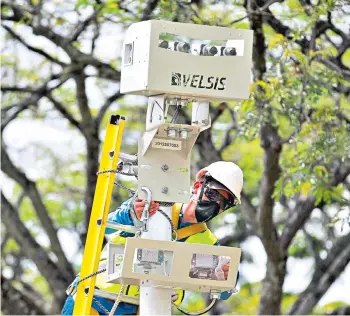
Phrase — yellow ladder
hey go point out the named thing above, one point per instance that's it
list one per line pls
(100, 209)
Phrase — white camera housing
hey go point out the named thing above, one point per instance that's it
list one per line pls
(148, 69)
(179, 270)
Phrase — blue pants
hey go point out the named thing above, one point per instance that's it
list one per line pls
(123, 308)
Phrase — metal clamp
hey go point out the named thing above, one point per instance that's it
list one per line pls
(71, 290)
(137, 223)
(141, 225)
(145, 213)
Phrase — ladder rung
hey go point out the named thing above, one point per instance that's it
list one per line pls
(127, 157)
(113, 297)
(124, 228)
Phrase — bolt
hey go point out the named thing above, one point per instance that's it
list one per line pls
(165, 190)
(165, 168)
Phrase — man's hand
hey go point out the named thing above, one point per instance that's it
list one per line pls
(226, 269)
(139, 205)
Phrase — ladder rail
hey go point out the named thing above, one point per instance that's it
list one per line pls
(100, 208)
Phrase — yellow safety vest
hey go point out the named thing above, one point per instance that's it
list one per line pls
(195, 234)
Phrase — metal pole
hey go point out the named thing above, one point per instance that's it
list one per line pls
(156, 301)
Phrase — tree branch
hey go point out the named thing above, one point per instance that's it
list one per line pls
(235, 237)
(147, 12)
(5, 88)
(105, 107)
(228, 139)
(53, 274)
(20, 107)
(259, 48)
(267, 4)
(335, 66)
(90, 130)
(82, 99)
(29, 187)
(60, 108)
(334, 63)
(300, 214)
(83, 25)
(4, 241)
(249, 212)
(270, 142)
(37, 94)
(79, 59)
(216, 112)
(32, 48)
(271, 293)
(311, 245)
(324, 276)
(17, 302)
(41, 93)
(344, 310)
(305, 206)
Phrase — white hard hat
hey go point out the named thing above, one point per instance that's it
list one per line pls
(229, 175)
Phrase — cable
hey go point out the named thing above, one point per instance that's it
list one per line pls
(105, 310)
(131, 191)
(176, 114)
(170, 221)
(201, 312)
(91, 275)
(116, 303)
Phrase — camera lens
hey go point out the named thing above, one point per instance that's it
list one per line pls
(228, 51)
(164, 44)
(209, 50)
(182, 47)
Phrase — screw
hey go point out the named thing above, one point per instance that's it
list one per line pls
(165, 190)
(165, 168)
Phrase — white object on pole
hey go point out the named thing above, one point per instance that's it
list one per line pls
(143, 265)
(205, 72)
(156, 301)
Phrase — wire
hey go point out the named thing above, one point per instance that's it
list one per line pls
(116, 303)
(201, 312)
(91, 275)
(131, 191)
(105, 310)
(170, 221)
(176, 114)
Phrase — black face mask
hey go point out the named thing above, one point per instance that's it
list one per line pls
(206, 210)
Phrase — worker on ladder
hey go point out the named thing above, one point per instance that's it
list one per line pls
(217, 188)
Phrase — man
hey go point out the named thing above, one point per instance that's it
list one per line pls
(217, 188)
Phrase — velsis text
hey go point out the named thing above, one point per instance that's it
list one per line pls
(198, 81)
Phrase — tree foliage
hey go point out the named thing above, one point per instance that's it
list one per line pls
(291, 138)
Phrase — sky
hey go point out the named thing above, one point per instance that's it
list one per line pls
(22, 137)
